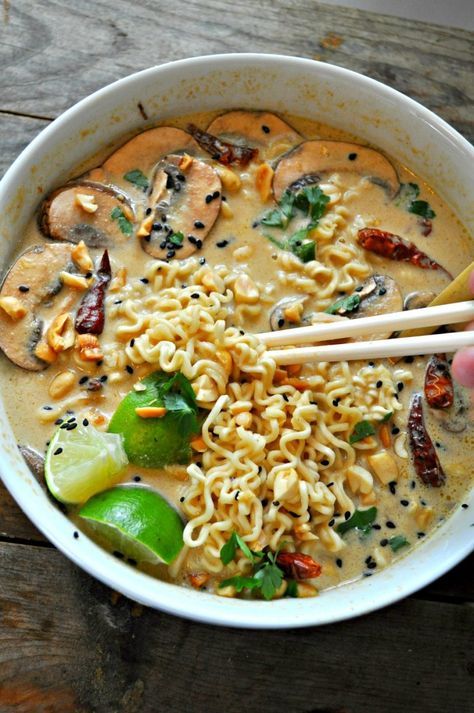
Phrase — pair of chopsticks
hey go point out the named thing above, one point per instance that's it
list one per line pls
(377, 348)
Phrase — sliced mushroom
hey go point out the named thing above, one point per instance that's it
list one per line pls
(379, 294)
(419, 299)
(143, 152)
(317, 158)
(185, 203)
(259, 128)
(83, 211)
(34, 280)
(278, 315)
(34, 461)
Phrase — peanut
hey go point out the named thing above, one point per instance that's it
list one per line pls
(13, 307)
(230, 180)
(60, 334)
(61, 384)
(87, 202)
(263, 181)
(80, 255)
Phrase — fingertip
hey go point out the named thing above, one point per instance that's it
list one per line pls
(470, 282)
(463, 367)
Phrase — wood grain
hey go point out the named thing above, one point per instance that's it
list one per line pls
(16, 132)
(53, 54)
(65, 644)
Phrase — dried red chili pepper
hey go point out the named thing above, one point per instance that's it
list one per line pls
(439, 389)
(90, 316)
(425, 459)
(297, 565)
(222, 151)
(395, 248)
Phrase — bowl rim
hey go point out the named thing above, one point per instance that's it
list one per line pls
(170, 598)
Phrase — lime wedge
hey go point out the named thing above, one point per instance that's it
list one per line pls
(156, 442)
(82, 462)
(138, 522)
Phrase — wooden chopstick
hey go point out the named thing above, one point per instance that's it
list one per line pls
(376, 349)
(323, 332)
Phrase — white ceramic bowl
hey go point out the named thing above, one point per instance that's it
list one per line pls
(370, 110)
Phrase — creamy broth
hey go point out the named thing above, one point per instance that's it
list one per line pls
(405, 505)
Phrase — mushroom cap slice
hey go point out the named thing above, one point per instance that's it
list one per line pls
(63, 216)
(184, 203)
(316, 158)
(143, 152)
(260, 128)
(418, 299)
(379, 295)
(37, 269)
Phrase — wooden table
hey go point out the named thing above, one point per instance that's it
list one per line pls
(69, 644)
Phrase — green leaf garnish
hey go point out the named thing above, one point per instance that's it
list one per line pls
(270, 577)
(124, 224)
(292, 589)
(138, 178)
(312, 200)
(396, 543)
(422, 208)
(387, 417)
(361, 430)
(227, 553)
(306, 252)
(240, 583)
(361, 520)
(176, 238)
(345, 304)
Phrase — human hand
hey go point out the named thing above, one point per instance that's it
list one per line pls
(463, 362)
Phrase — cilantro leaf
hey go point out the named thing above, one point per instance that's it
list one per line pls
(176, 238)
(138, 178)
(387, 417)
(124, 224)
(313, 201)
(345, 304)
(306, 252)
(361, 430)
(227, 553)
(361, 520)
(408, 192)
(177, 396)
(270, 577)
(396, 543)
(240, 583)
(292, 589)
(422, 208)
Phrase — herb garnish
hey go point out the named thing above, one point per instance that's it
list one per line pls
(176, 238)
(267, 575)
(124, 224)
(178, 397)
(228, 551)
(387, 417)
(310, 200)
(138, 178)
(408, 199)
(344, 305)
(361, 430)
(396, 543)
(361, 520)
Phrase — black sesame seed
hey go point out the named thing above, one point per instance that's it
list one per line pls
(236, 496)
(358, 289)
(145, 280)
(376, 527)
(325, 462)
(157, 227)
(199, 224)
(255, 224)
(391, 525)
(276, 503)
(202, 260)
(215, 195)
(222, 243)
(424, 503)
(24, 288)
(58, 451)
(83, 380)
(405, 503)
(371, 363)
(192, 239)
(281, 322)
(170, 253)
(379, 384)
(372, 565)
(392, 487)
(103, 378)
(395, 430)
(366, 574)
(335, 402)
(347, 515)
(265, 129)
(285, 398)
(330, 484)
(136, 478)
(148, 211)
(88, 275)
(75, 534)
(241, 332)
(400, 386)
(195, 295)
(163, 244)
(131, 561)
(58, 422)
(129, 369)
(117, 302)
(384, 542)
(331, 522)
(413, 485)
(64, 425)
(382, 291)
(409, 360)
(132, 341)
(199, 244)
(368, 559)
(71, 426)
(352, 156)
(465, 506)
(85, 422)
(47, 408)
(420, 535)
(339, 563)
(118, 555)
(100, 362)
(208, 198)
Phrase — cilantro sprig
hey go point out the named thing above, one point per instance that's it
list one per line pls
(123, 223)
(138, 178)
(310, 200)
(361, 520)
(362, 429)
(344, 305)
(266, 577)
(396, 543)
(408, 199)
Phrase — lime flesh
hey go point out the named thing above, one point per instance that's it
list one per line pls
(137, 522)
(81, 462)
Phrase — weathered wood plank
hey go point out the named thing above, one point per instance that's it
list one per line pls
(13, 524)
(54, 54)
(16, 132)
(85, 653)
